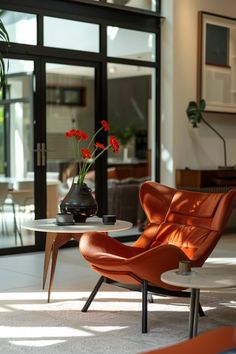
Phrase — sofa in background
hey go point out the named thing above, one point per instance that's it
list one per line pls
(123, 199)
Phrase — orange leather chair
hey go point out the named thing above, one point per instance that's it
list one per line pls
(182, 225)
(220, 340)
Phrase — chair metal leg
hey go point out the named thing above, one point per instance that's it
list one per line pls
(144, 305)
(4, 222)
(200, 311)
(150, 298)
(16, 228)
(93, 294)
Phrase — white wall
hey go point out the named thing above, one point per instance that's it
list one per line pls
(183, 146)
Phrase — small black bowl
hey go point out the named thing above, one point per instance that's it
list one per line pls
(109, 219)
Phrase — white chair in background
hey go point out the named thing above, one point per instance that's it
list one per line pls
(3, 196)
(22, 202)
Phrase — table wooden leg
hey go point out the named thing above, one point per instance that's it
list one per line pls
(60, 240)
(50, 238)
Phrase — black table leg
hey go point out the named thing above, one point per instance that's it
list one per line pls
(193, 315)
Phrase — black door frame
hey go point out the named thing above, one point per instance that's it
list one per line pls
(41, 172)
(102, 14)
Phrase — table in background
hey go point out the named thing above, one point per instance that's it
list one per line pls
(57, 236)
(200, 278)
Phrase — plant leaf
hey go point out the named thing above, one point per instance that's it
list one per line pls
(194, 112)
(202, 105)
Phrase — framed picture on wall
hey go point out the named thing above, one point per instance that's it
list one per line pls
(68, 96)
(216, 74)
(217, 45)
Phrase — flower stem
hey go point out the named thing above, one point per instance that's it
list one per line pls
(100, 153)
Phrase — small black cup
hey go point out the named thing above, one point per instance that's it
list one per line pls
(109, 219)
(65, 219)
(184, 267)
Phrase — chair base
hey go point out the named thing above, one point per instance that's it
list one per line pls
(146, 291)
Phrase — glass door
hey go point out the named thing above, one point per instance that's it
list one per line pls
(70, 104)
(131, 110)
(16, 155)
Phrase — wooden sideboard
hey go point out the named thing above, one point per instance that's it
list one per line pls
(210, 181)
(126, 170)
(205, 178)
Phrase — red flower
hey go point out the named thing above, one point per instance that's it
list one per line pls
(114, 143)
(89, 152)
(100, 146)
(86, 153)
(81, 135)
(71, 133)
(105, 125)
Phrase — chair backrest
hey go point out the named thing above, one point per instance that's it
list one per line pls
(192, 221)
(29, 185)
(24, 193)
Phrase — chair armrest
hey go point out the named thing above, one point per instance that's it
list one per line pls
(150, 264)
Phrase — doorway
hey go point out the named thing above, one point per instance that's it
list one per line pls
(70, 104)
(16, 154)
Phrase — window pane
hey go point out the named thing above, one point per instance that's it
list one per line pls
(69, 34)
(70, 105)
(131, 114)
(16, 154)
(123, 43)
(139, 4)
(21, 27)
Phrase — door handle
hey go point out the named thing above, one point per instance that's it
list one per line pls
(41, 154)
(38, 154)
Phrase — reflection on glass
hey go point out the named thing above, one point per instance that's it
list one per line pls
(131, 116)
(70, 105)
(124, 43)
(70, 34)
(21, 27)
(139, 4)
(16, 133)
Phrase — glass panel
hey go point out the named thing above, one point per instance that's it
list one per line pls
(16, 180)
(69, 34)
(131, 113)
(21, 27)
(71, 106)
(139, 4)
(124, 43)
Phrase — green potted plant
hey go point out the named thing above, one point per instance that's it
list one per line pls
(124, 136)
(3, 37)
(194, 113)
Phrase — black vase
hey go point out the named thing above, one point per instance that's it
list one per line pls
(80, 202)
